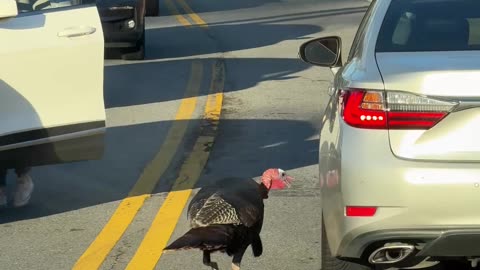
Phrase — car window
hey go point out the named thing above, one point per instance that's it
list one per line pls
(356, 44)
(25, 6)
(433, 25)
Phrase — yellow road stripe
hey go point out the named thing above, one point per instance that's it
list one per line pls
(96, 253)
(165, 221)
(173, 10)
(151, 174)
(118, 223)
(195, 17)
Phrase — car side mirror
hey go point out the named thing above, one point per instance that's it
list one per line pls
(324, 52)
(8, 9)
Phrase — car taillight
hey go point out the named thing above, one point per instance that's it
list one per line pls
(360, 211)
(364, 109)
(391, 110)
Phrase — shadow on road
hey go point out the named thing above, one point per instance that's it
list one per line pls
(244, 146)
(220, 5)
(166, 80)
(157, 80)
(179, 41)
(225, 6)
(289, 17)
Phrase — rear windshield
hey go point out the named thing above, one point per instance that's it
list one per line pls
(430, 25)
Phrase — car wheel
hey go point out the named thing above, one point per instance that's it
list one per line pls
(138, 52)
(152, 7)
(331, 263)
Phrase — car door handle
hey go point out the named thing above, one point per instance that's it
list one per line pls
(77, 31)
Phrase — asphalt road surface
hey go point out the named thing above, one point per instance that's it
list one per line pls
(222, 92)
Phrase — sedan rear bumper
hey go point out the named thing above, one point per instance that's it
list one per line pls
(419, 201)
(439, 242)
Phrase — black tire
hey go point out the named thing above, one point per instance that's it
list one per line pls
(152, 7)
(331, 263)
(138, 52)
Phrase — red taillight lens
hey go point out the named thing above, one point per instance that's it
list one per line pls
(391, 110)
(360, 211)
(360, 111)
(413, 120)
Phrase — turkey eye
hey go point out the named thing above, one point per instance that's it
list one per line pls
(283, 174)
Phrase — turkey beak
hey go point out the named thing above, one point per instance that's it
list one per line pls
(288, 180)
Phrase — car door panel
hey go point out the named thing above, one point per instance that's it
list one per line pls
(51, 86)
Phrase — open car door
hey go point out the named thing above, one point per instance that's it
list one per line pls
(51, 82)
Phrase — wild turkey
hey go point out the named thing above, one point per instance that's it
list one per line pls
(228, 217)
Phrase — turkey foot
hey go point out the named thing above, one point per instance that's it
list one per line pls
(207, 261)
(214, 265)
(237, 258)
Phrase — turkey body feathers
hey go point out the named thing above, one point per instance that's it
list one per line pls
(230, 201)
(212, 238)
(225, 217)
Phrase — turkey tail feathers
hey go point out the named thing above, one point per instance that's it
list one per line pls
(257, 246)
(213, 238)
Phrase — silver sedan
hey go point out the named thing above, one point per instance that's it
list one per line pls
(400, 140)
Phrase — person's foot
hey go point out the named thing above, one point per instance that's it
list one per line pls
(3, 197)
(24, 190)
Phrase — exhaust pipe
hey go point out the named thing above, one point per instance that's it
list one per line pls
(391, 253)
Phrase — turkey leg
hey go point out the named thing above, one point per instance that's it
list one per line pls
(257, 246)
(207, 261)
(237, 258)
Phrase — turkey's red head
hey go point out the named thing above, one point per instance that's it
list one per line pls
(276, 179)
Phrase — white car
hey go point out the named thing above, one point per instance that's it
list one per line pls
(51, 82)
(399, 156)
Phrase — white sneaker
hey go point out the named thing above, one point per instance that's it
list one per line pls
(24, 190)
(3, 197)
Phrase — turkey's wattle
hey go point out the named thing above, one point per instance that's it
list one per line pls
(228, 217)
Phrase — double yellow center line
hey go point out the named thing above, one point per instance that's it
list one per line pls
(96, 253)
(163, 225)
(165, 221)
(182, 19)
